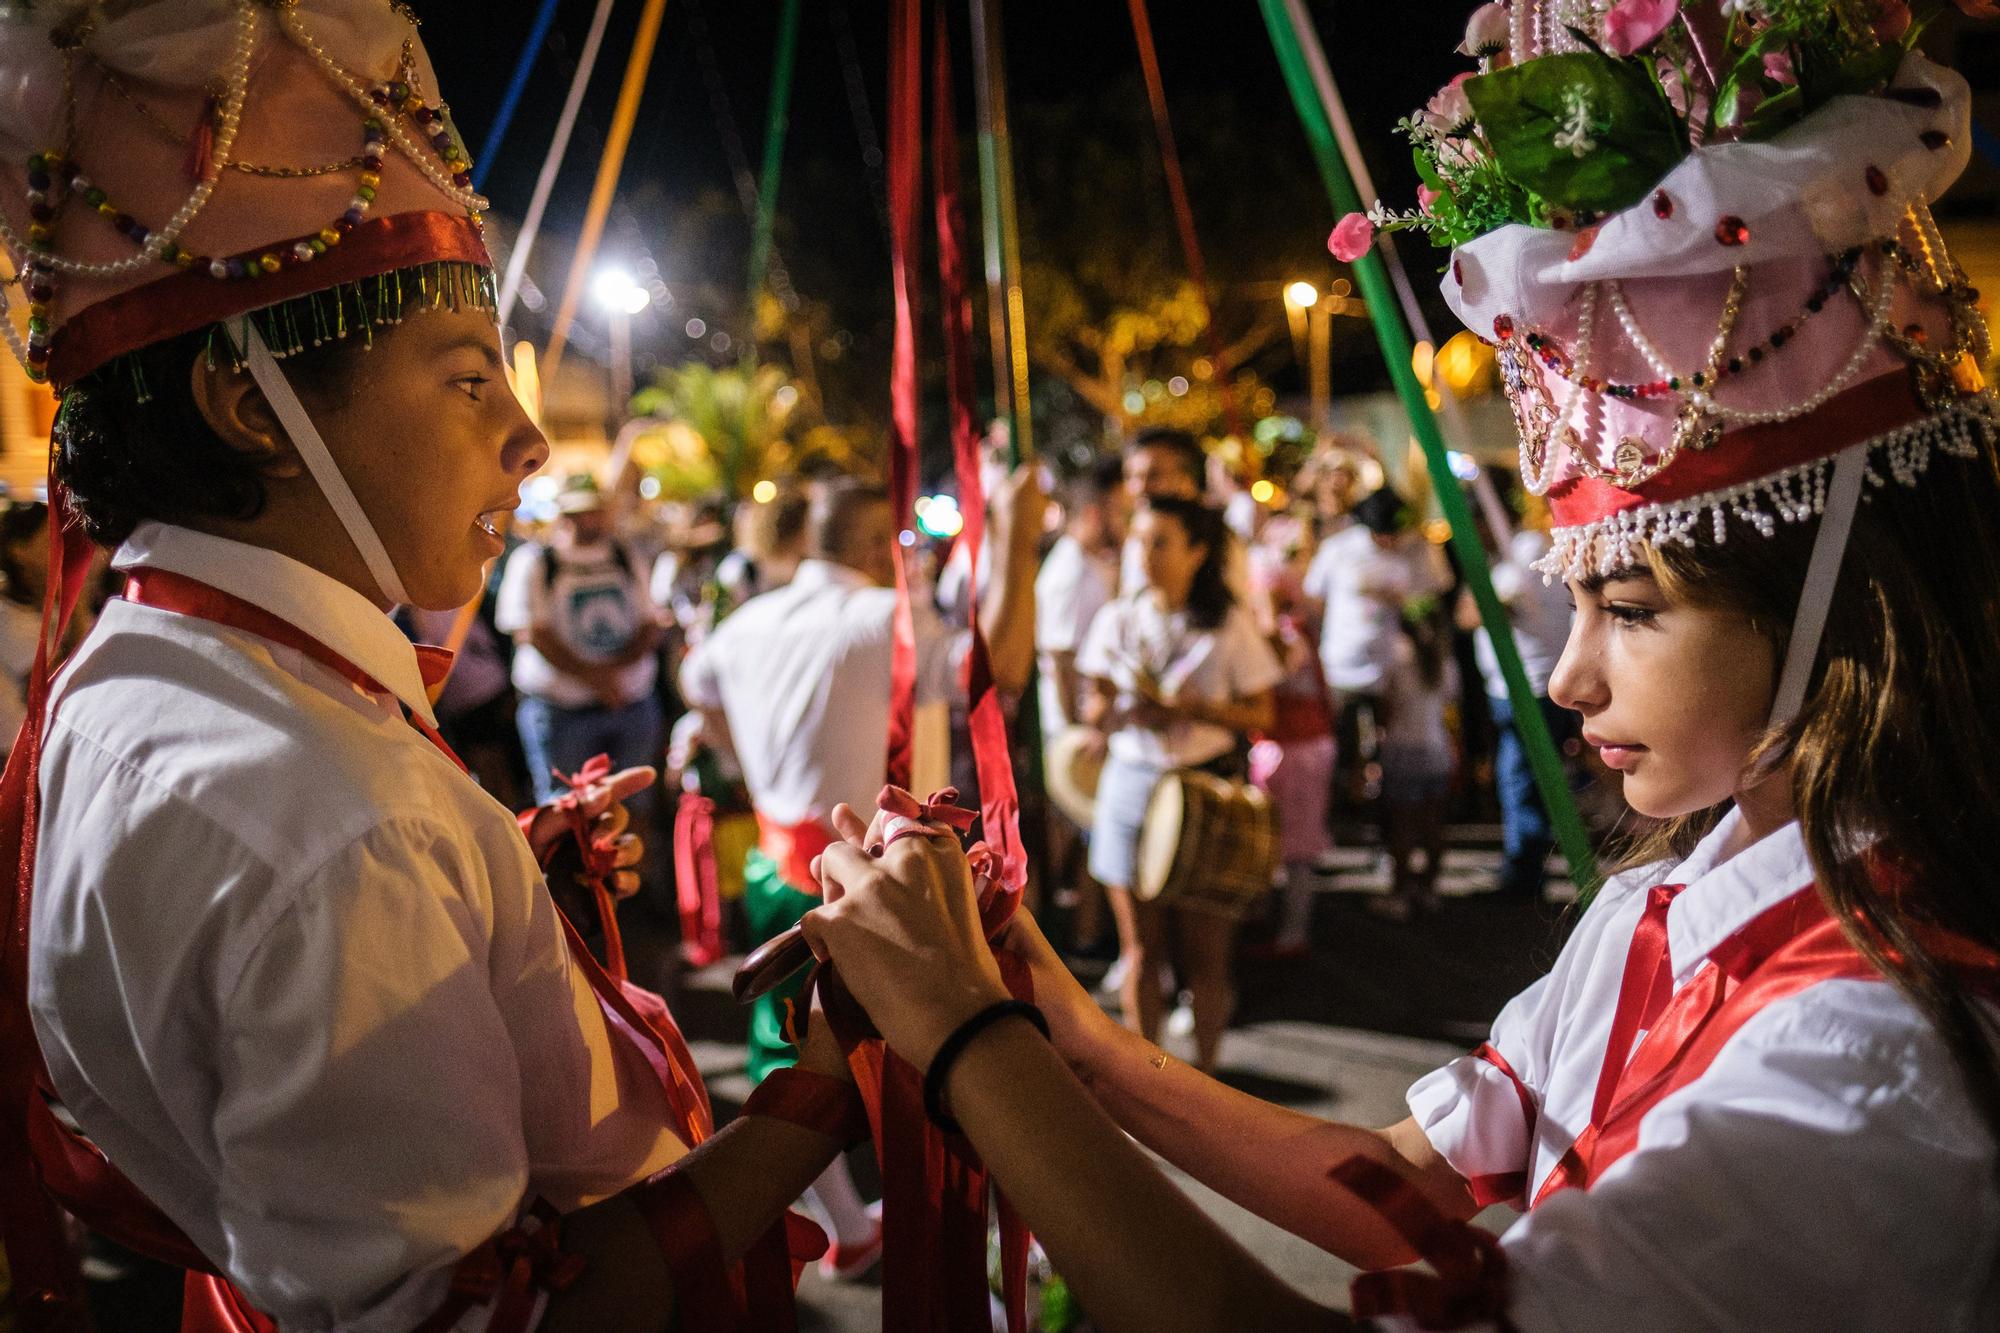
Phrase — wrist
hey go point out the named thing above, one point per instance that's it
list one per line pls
(952, 1016)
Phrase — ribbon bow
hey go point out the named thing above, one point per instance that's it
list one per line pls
(941, 815)
(599, 856)
(510, 1268)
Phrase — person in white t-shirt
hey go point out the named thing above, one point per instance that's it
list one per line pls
(584, 639)
(1178, 675)
(1539, 612)
(1361, 576)
(1078, 576)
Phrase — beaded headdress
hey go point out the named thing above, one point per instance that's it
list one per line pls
(1700, 239)
(169, 164)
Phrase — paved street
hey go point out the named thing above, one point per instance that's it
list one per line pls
(1342, 1034)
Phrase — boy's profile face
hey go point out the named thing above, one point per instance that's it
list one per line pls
(435, 445)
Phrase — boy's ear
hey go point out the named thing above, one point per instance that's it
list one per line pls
(235, 409)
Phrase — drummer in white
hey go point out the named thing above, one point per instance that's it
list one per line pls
(1177, 675)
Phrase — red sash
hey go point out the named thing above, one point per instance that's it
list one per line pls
(506, 1270)
(1789, 947)
(1786, 949)
(793, 847)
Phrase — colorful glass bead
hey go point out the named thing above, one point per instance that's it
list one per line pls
(1732, 230)
(1878, 182)
(1503, 327)
(1663, 205)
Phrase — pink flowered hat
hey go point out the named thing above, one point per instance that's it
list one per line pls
(1705, 277)
(168, 165)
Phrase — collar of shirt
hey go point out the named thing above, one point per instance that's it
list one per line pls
(816, 574)
(1721, 899)
(317, 604)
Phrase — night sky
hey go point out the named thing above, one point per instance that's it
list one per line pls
(1070, 64)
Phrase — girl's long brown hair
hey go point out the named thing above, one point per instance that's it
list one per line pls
(1898, 745)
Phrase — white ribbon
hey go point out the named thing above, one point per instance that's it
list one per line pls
(1822, 576)
(313, 451)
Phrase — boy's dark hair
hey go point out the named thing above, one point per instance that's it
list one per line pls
(1104, 474)
(1383, 513)
(132, 446)
(1187, 451)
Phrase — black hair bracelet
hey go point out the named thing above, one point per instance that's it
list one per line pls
(954, 1046)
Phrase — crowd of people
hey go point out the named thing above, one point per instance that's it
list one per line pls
(1305, 646)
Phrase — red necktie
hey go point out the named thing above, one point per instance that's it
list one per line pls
(1648, 985)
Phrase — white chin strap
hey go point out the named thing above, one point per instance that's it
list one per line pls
(1822, 575)
(305, 438)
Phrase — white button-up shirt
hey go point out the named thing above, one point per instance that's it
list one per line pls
(1826, 1171)
(296, 974)
(802, 674)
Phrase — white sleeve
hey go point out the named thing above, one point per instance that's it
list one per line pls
(1476, 1110)
(367, 1128)
(1827, 1171)
(941, 653)
(1098, 655)
(1058, 601)
(521, 602)
(1318, 580)
(700, 682)
(1253, 665)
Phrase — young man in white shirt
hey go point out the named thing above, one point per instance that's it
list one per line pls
(584, 636)
(1361, 576)
(298, 979)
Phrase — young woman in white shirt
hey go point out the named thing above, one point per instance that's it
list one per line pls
(1176, 675)
(1835, 1165)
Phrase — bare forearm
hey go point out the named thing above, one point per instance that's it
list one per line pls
(1273, 1161)
(1077, 1180)
(1242, 715)
(751, 1172)
(1007, 611)
(559, 654)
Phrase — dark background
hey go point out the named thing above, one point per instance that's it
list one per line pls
(1087, 159)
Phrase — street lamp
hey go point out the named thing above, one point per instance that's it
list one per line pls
(1304, 307)
(621, 297)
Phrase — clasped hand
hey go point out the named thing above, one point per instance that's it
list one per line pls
(904, 929)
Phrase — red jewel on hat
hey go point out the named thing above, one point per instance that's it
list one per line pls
(1584, 240)
(1731, 230)
(1934, 139)
(1458, 272)
(1878, 183)
(1663, 205)
(1503, 327)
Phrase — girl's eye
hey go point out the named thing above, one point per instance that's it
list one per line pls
(1629, 615)
(471, 385)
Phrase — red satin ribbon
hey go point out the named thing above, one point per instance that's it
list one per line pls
(1647, 986)
(1786, 949)
(696, 889)
(906, 135)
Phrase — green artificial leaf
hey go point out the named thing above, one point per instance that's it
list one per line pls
(1583, 131)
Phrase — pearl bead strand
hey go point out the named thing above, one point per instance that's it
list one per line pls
(232, 117)
(470, 200)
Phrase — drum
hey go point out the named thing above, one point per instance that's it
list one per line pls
(1208, 844)
(1071, 767)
